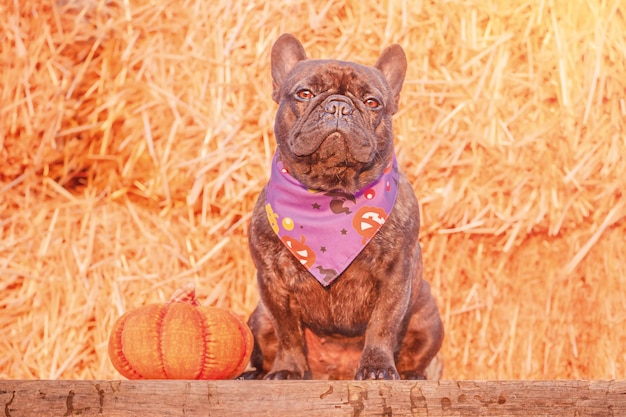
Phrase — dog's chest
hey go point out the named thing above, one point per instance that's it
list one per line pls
(343, 309)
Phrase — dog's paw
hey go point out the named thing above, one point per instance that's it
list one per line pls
(375, 364)
(376, 373)
(251, 375)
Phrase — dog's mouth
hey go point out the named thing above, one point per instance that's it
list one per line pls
(336, 146)
(333, 166)
(334, 130)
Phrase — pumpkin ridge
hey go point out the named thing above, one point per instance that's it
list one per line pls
(245, 340)
(204, 331)
(209, 360)
(160, 318)
(116, 351)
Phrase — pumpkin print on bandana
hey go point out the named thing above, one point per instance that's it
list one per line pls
(325, 231)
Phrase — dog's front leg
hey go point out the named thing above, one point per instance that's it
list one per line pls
(377, 360)
(383, 332)
(290, 361)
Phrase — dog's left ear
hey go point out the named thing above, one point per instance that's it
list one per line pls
(392, 63)
(286, 53)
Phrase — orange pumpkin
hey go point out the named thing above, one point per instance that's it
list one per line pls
(180, 340)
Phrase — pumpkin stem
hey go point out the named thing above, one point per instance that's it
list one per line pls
(185, 294)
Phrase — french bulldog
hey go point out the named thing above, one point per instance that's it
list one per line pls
(334, 233)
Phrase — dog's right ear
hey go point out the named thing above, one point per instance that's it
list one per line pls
(286, 53)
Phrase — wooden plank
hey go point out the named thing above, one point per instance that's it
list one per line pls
(312, 398)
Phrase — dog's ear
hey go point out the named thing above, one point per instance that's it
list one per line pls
(392, 63)
(286, 53)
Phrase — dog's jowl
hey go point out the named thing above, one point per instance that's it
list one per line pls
(334, 234)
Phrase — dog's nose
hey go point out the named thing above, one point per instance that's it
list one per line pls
(338, 106)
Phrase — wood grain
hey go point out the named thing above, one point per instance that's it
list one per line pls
(312, 398)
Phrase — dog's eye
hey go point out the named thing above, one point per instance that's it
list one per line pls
(304, 94)
(372, 103)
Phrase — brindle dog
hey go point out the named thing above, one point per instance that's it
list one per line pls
(377, 319)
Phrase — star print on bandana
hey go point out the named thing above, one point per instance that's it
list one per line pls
(325, 231)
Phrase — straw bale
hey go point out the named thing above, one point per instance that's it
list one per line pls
(135, 136)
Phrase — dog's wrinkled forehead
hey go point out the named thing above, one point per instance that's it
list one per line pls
(338, 77)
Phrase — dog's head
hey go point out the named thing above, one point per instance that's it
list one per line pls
(333, 125)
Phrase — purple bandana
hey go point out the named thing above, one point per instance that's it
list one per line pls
(325, 231)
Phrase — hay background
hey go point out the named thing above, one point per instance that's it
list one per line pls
(135, 136)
